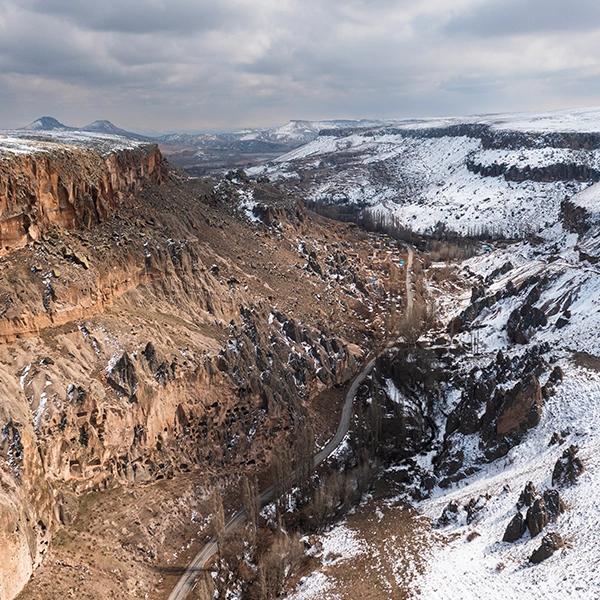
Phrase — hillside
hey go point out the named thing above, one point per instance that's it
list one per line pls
(504, 175)
(489, 437)
(158, 337)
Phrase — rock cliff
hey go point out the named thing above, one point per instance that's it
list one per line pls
(149, 331)
(70, 187)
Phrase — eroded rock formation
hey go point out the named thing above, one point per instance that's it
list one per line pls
(69, 188)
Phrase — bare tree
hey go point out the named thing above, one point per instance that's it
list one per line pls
(218, 513)
(250, 502)
(417, 321)
(304, 448)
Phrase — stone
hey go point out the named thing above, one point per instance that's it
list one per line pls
(568, 467)
(515, 529)
(528, 495)
(523, 321)
(555, 505)
(551, 542)
(475, 506)
(521, 409)
(537, 517)
(450, 514)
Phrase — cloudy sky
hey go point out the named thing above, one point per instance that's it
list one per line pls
(193, 64)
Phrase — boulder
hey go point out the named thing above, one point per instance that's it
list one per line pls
(515, 529)
(521, 409)
(475, 506)
(568, 467)
(449, 514)
(528, 495)
(557, 439)
(550, 544)
(537, 517)
(555, 505)
(523, 322)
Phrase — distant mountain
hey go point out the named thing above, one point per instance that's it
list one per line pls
(200, 152)
(46, 124)
(104, 126)
(100, 126)
(291, 135)
(298, 131)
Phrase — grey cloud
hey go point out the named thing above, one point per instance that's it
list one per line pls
(176, 64)
(506, 17)
(142, 16)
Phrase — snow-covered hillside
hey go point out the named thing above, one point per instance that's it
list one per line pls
(504, 173)
(29, 142)
(510, 484)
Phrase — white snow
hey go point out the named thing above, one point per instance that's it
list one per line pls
(340, 544)
(313, 586)
(34, 142)
(487, 568)
(423, 181)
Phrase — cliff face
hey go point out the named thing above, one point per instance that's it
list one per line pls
(70, 188)
(148, 331)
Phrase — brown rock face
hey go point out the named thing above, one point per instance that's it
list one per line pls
(522, 408)
(168, 339)
(515, 529)
(70, 189)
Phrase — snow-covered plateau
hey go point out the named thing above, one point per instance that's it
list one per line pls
(22, 141)
(505, 174)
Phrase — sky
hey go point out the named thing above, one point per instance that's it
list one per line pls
(166, 65)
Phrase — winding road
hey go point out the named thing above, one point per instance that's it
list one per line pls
(186, 582)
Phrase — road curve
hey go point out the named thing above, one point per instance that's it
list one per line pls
(186, 582)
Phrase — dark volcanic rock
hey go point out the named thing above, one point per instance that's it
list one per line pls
(515, 529)
(528, 495)
(537, 517)
(522, 323)
(568, 467)
(550, 544)
(123, 378)
(475, 506)
(449, 515)
(555, 505)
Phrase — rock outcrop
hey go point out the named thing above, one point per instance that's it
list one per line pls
(69, 188)
(550, 544)
(515, 529)
(568, 467)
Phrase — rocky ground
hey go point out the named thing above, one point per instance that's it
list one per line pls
(490, 423)
(159, 347)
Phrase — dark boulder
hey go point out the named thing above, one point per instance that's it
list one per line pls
(522, 323)
(475, 506)
(555, 505)
(568, 467)
(123, 378)
(558, 438)
(449, 515)
(550, 544)
(528, 495)
(537, 517)
(515, 529)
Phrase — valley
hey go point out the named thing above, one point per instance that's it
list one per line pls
(364, 367)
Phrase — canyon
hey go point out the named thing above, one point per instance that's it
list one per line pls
(172, 345)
